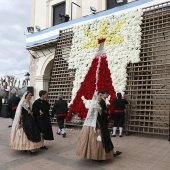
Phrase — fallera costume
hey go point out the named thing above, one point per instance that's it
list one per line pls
(89, 145)
(27, 137)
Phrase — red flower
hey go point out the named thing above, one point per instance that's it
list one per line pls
(88, 87)
(101, 40)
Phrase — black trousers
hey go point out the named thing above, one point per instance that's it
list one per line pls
(119, 119)
(60, 121)
(12, 114)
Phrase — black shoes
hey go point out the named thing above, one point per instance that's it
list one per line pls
(64, 135)
(98, 160)
(119, 136)
(58, 133)
(44, 147)
(117, 153)
(32, 152)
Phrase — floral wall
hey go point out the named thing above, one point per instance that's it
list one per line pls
(121, 35)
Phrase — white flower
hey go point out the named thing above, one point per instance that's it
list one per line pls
(86, 102)
(118, 56)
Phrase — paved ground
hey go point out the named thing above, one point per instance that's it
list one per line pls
(140, 152)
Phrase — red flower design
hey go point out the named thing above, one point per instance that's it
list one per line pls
(88, 87)
(101, 40)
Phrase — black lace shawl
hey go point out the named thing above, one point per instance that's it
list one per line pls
(29, 126)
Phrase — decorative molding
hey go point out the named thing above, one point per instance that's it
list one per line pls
(42, 78)
(46, 62)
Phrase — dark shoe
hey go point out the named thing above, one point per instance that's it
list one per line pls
(120, 136)
(113, 135)
(98, 160)
(117, 153)
(58, 133)
(10, 126)
(31, 152)
(44, 147)
(64, 135)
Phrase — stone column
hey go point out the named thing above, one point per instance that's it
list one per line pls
(42, 83)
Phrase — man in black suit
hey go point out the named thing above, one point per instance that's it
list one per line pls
(41, 114)
(60, 110)
(120, 106)
(104, 119)
(105, 113)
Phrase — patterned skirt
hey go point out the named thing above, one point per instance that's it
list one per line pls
(19, 141)
(88, 146)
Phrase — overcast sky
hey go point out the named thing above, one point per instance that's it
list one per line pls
(14, 19)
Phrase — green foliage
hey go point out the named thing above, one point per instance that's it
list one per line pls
(2, 96)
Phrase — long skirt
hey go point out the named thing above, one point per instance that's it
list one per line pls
(88, 146)
(19, 141)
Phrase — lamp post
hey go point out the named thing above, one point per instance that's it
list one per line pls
(30, 29)
(72, 7)
(27, 78)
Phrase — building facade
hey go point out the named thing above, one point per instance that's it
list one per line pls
(66, 38)
(49, 13)
(45, 13)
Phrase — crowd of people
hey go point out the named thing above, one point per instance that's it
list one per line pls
(31, 124)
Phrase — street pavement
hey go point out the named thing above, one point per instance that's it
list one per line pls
(139, 152)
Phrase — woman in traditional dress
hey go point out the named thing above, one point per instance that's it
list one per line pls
(25, 134)
(94, 141)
